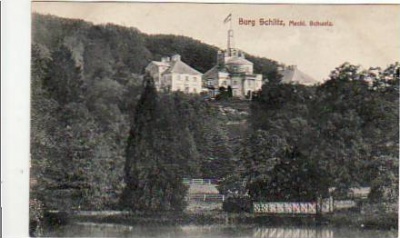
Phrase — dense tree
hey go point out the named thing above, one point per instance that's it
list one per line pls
(215, 149)
(385, 182)
(351, 113)
(64, 80)
(154, 165)
(333, 135)
(199, 55)
(43, 121)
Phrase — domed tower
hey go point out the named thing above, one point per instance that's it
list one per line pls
(233, 71)
(234, 59)
(237, 64)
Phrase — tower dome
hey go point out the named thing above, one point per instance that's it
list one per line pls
(238, 64)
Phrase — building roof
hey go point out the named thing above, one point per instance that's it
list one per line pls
(238, 61)
(212, 72)
(158, 63)
(294, 75)
(180, 67)
(215, 72)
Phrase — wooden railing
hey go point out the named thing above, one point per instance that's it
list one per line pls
(326, 206)
(206, 197)
(200, 181)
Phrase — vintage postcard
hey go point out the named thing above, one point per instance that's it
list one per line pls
(214, 120)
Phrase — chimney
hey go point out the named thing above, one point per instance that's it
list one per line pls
(165, 59)
(176, 57)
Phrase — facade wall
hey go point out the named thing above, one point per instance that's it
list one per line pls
(186, 83)
(224, 82)
(237, 86)
(240, 84)
(173, 81)
(217, 80)
(251, 84)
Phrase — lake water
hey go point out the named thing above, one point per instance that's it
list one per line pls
(215, 231)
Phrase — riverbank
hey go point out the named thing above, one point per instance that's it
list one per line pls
(206, 213)
(344, 219)
(87, 229)
(382, 221)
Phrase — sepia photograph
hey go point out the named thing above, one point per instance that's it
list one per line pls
(214, 120)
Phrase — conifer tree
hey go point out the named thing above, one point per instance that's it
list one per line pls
(152, 169)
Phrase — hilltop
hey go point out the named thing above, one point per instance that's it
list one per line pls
(121, 51)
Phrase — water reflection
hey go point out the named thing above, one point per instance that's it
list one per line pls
(292, 232)
(112, 230)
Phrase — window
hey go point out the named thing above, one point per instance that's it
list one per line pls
(224, 83)
(210, 83)
(187, 78)
(186, 89)
(234, 82)
(194, 79)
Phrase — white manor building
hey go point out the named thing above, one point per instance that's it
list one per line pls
(172, 74)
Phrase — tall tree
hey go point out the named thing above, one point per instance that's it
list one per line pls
(152, 173)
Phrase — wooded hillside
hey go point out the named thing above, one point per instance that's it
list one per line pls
(86, 82)
(123, 50)
(294, 143)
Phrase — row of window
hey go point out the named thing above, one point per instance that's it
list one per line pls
(225, 83)
(187, 90)
(234, 83)
(241, 69)
(178, 77)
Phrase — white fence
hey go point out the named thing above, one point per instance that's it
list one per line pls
(292, 232)
(292, 207)
(285, 208)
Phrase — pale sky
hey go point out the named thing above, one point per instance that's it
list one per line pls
(366, 35)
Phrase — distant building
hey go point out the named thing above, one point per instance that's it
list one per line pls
(232, 70)
(172, 74)
(292, 75)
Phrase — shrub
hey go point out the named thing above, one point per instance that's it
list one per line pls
(237, 204)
